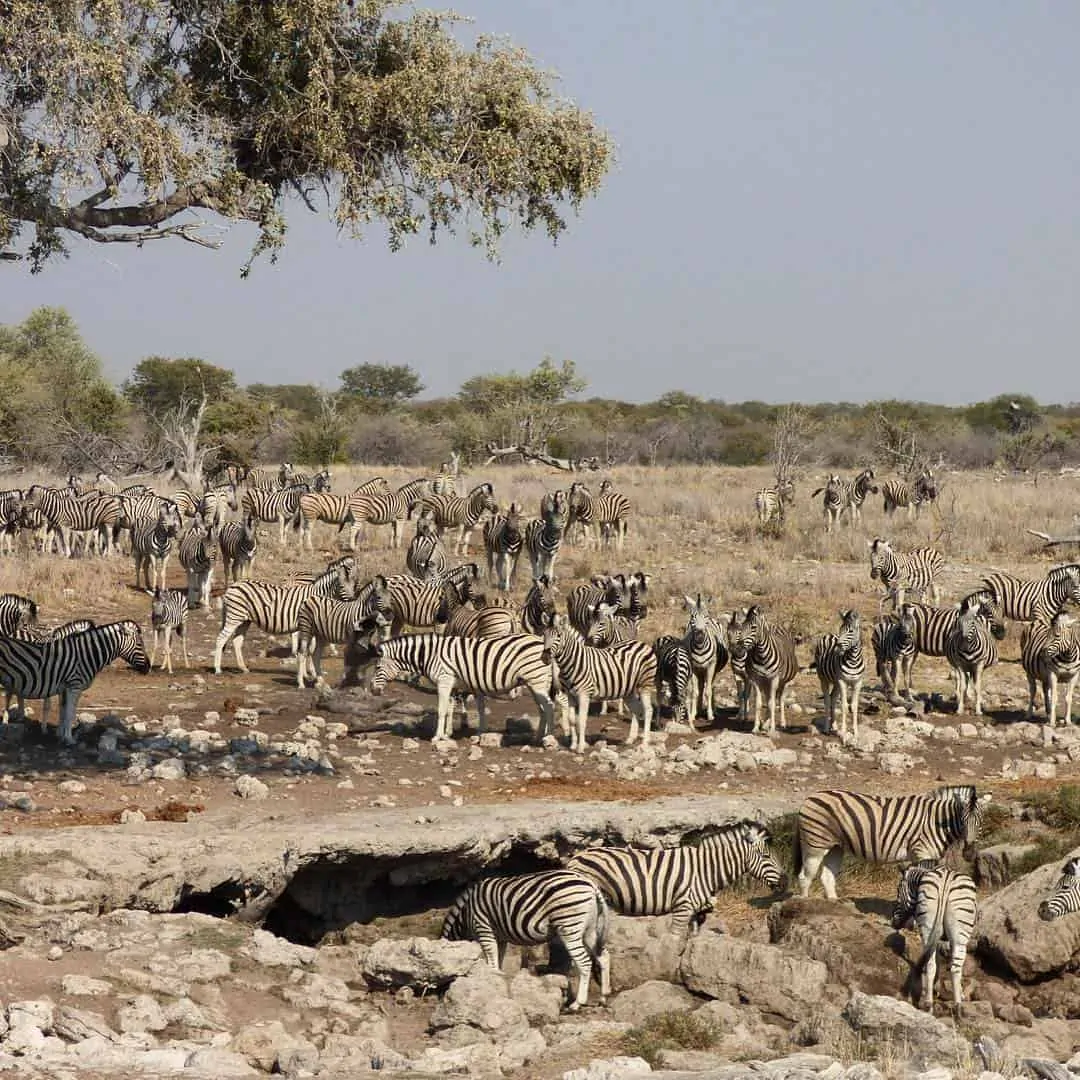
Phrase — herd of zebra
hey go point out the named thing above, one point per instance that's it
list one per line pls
(571, 903)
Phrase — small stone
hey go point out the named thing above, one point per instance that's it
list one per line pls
(250, 787)
(55, 953)
(169, 769)
(131, 817)
(71, 787)
(246, 717)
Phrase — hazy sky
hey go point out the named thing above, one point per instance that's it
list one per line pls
(811, 202)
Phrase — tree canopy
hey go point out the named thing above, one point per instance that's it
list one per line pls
(125, 120)
(381, 384)
(159, 384)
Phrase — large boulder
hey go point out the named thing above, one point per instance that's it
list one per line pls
(910, 1033)
(720, 966)
(1009, 931)
(642, 950)
(419, 963)
(653, 998)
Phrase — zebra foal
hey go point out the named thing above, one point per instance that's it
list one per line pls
(901, 572)
(882, 828)
(681, 881)
(168, 616)
(942, 904)
(1065, 899)
(839, 661)
(534, 909)
(151, 546)
(771, 503)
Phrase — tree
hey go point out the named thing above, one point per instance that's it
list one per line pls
(123, 121)
(380, 384)
(159, 384)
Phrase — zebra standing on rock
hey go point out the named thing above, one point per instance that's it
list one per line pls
(168, 616)
(151, 546)
(771, 665)
(913, 571)
(238, 541)
(771, 502)
(504, 536)
(943, 905)
(1050, 653)
(881, 828)
(480, 666)
(197, 556)
(533, 909)
(1065, 899)
(970, 649)
(839, 661)
(681, 881)
(1027, 601)
(913, 497)
(544, 535)
(65, 667)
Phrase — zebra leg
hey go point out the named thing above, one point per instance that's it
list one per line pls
(828, 703)
(153, 648)
(183, 641)
(1070, 686)
(772, 706)
(1032, 694)
(205, 591)
(444, 719)
(68, 698)
(961, 690)
(957, 955)
(577, 737)
(707, 692)
(167, 659)
(481, 713)
(635, 712)
(571, 939)
(856, 691)
(44, 713)
(976, 678)
(830, 870)
(812, 861)
(238, 649)
(929, 977)
(546, 709)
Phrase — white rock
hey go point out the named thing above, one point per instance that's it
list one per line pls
(143, 1013)
(84, 986)
(71, 787)
(610, 1069)
(250, 787)
(246, 717)
(169, 769)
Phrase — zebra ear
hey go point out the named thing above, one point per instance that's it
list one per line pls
(688, 602)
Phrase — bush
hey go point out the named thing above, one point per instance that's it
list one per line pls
(670, 1031)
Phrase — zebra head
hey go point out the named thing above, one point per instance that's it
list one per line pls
(850, 627)
(761, 864)
(169, 517)
(388, 665)
(785, 490)
(907, 892)
(864, 482)
(698, 612)
(285, 473)
(131, 648)
(364, 639)
(425, 523)
(557, 634)
(599, 629)
(1066, 895)
(755, 627)
(961, 815)
(986, 603)
(734, 634)
(321, 481)
(881, 556)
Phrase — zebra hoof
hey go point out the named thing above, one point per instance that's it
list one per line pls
(573, 1007)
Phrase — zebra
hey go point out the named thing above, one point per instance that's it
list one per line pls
(838, 659)
(970, 649)
(913, 497)
(943, 905)
(66, 514)
(626, 671)
(771, 502)
(389, 508)
(771, 665)
(674, 669)
(66, 666)
(423, 604)
(914, 570)
(1027, 601)
(1050, 653)
(16, 612)
(323, 620)
(482, 620)
(426, 557)
(168, 615)
(461, 512)
(840, 495)
(273, 608)
(504, 535)
(214, 504)
(534, 909)
(238, 542)
(1065, 899)
(260, 479)
(197, 556)
(681, 881)
(317, 482)
(281, 505)
(11, 512)
(333, 509)
(582, 600)
(151, 546)
(544, 535)
(539, 607)
(608, 509)
(106, 484)
(893, 641)
(704, 642)
(882, 828)
(736, 649)
(607, 627)
(481, 666)
(39, 635)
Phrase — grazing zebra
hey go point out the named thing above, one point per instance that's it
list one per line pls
(970, 649)
(681, 881)
(673, 669)
(771, 502)
(1065, 899)
(67, 666)
(151, 546)
(426, 557)
(333, 509)
(1050, 653)
(424, 604)
(733, 638)
(942, 903)
(626, 671)
(882, 828)
(274, 608)
(913, 570)
(281, 505)
(238, 541)
(1027, 601)
(541, 603)
(504, 535)
(323, 620)
(704, 641)
(168, 615)
(38, 635)
(461, 512)
(893, 641)
(16, 612)
(840, 667)
(197, 556)
(544, 535)
(388, 508)
(480, 666)
(606, 513)
(771, 665)
(534, 909)
(913, 497)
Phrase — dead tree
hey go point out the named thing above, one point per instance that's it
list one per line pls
(180, 433)
(791, 436)
(528, 454)
(899, 442)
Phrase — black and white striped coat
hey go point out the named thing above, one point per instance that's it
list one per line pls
(477, 618)
(1050, 653)
(1065, 898)
(705, 643)
(582, 600)
(893, 641)
(601, 516)
(504, 537)
(426, 557)
(16, 611)
(425, 604)
(673, 670)
(168, 616)
(67, 666)
(839, 496)
(533, 909)
(198, 553)
(882, 828)
(39, 635)
(900, 572)
(771, 502)
(943, 905)
(151, 546)
(281, 505)
(65, 515)
(238, 542)
(266, 479)
(539, 607)
(461, 512)
(681, 881)
(838, 659)
(1027, 601)
(11, 513)
(388, 508)
(970, 649)
(912, 497)
(736, 649)
(544, 535)
(771, 665)
(480, 666)
(627, 671)
(333, 509)
(274, 608)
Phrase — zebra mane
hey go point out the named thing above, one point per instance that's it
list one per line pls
(961, 792)
(696, 837)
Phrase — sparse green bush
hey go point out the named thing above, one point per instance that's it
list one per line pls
(670, 1031)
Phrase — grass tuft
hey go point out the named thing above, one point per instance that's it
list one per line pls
(670, 1031)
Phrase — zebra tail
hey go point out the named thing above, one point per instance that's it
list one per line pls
(602, 924)
(796, 849)
(932, 943)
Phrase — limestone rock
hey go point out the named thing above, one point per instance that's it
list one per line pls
(919, 1036)
(651, 998)
(419, 963)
